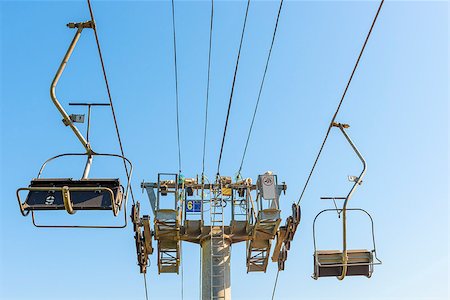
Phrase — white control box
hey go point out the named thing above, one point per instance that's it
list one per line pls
(267, 186)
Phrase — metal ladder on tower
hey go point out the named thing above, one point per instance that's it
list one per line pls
(217, 247)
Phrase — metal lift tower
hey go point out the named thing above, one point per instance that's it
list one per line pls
(214, 216)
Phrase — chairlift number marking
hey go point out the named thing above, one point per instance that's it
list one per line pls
(193, 206)
(49, 200)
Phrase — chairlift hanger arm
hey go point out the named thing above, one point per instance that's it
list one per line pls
(66, 119)
(357, 182)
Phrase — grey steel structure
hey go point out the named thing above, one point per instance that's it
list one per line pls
(215, 216)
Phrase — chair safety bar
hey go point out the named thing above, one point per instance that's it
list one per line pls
(346, 263)
(378, 262)
(125, 223)
(67, 203)
(127, 189)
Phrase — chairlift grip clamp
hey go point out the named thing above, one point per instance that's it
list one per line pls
(82, 25)
(343, 125)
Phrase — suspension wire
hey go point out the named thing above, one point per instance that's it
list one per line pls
(109, 95)
(207, 86)
(176, 85)
(260, 88)
(232, 87)
(341, 101)
(145, 285)
(200, 276)
(182, 270)
(275, 285)
(178, 127)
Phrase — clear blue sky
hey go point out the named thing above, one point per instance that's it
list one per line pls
(397, 106)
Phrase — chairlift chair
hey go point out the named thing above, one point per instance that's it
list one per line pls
(50, 194)
(345, 262)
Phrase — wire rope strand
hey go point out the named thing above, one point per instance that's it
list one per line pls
(261, 87)
(109, 94)
(145, 285)
(275, 285)
(341, 101)
(200, 276)
(176, 84)
(207, 87)
(182, 270)
(232, 88)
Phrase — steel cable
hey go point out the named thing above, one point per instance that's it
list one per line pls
(145, 285)
(260, 88)
(207, 87)
(341, 101)
(182, 270)
(109, 94)
(176, 85)
(232, 88)
(275, 285)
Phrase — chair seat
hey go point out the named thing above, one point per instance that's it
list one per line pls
(359, 263)
(86, 194)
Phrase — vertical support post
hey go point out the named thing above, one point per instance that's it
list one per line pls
(158, 193)
(88, 123)
(232, 206)
(344, 207)
(87, 168)
(219, 290)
